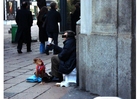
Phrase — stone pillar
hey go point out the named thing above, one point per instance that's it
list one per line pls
(106, 48)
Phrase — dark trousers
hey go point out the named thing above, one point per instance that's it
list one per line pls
(73, 27)
(55, 66)
(20, 43)
(54, 36)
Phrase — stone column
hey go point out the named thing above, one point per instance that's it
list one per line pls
(106, 48)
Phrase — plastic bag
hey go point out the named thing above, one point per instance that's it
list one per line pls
(33, 78)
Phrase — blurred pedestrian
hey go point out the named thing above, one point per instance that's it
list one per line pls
(24, 21)
(75, 16)
(41, 22)
(53, 17)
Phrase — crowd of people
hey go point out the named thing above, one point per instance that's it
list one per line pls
(64, 59)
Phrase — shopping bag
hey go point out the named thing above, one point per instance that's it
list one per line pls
(33, 78)
(42, 48)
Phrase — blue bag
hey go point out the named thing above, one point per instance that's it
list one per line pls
(33, 78)
(42, 48)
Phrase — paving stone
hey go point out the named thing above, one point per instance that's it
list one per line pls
(13, 74)
(20, 87)
(54, 93)
(75, 93)
(33, 92)
(6, 86)
(24, 96)
(15, 80)
(6, 95)
(7, 77)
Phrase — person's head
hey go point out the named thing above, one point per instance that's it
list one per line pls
(38, 61)
(77, 5)
(53, 5)
(24, 4)
(42, 12)
(68, 34)
(44, 9)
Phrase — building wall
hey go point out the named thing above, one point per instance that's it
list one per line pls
(105, 52)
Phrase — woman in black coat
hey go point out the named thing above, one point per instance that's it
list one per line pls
(41, 22)
(24, 21)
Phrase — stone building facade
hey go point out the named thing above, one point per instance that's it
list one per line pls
(106, 48)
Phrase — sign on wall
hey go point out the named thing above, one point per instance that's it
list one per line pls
(11, 9)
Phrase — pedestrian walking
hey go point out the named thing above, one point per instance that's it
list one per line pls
(24, 21)
(53, 17)
(41, 22)
(75, 16)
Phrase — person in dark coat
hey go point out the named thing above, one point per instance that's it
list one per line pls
(75, 16)
(41, 22)
(24, 21)
(53, 17)
(65, 61)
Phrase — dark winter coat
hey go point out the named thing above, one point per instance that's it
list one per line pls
(76, 15)
(68, 56)
(24, 21)
(53, 17)
(42, 30)
(74, 18)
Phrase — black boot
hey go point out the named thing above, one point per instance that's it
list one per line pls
(19, 51)
(47, 50)
(49, 47)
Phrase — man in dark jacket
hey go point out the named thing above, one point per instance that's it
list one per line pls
(53, 17)
(65, 61)
(24, 21)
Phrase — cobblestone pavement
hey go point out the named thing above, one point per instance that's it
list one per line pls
(17, 67)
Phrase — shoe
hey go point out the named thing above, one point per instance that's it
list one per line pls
(47, 50)
(29, 50)
(50, 47)
(56, 79)
(19, 51)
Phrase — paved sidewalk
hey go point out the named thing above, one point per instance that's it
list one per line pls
(17, 67)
